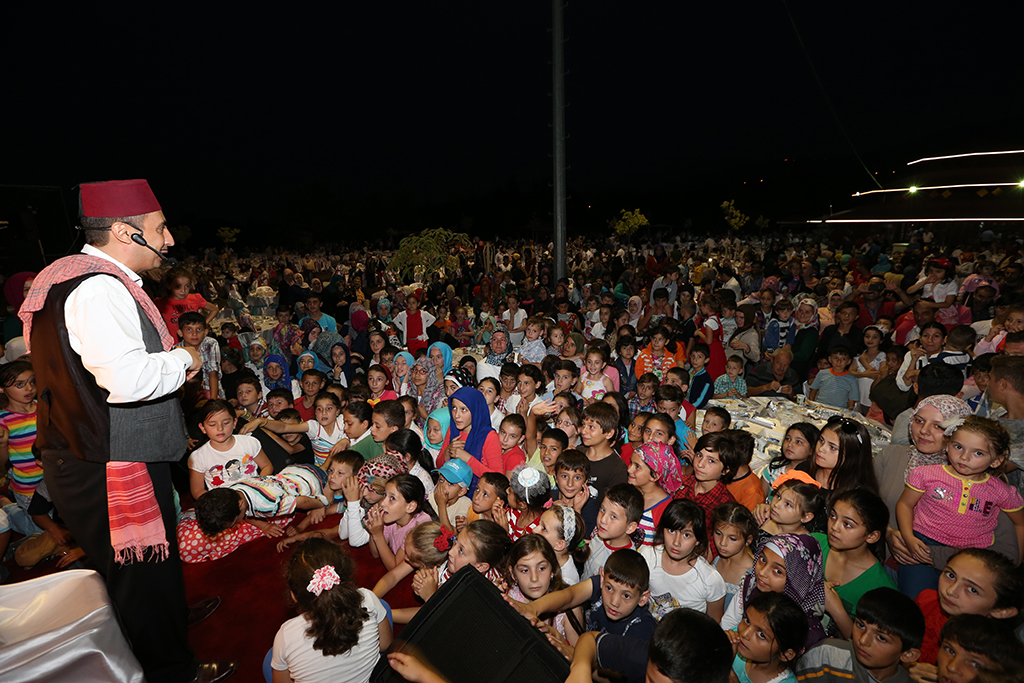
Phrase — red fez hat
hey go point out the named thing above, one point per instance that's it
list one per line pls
(117, 198)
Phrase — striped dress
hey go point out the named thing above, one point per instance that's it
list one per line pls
(25, 472)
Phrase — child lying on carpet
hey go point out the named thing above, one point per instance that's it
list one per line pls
(218, 529)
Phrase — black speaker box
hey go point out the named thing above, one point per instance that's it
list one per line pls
(471, 635)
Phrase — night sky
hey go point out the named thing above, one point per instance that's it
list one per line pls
(410, 115)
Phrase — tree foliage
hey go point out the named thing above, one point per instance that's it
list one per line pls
(735, 218)
(228, 235)
(628, 223)
(429, 252)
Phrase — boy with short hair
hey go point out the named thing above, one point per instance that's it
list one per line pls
(572, 474)
(547, 450)
(599, 432)
(565, 374)
(618, 594)
(192, 329)
(340, 467)
(970, 644)
(388, 418)
(887, 632)
(249, 396)
(534, 349)
(508, 377)
(644, 401)
(453, 482)
(669, 400)
(687, 647)
(680, 377)
(312, 383)
(618, 517)
(278, 400)
(716, 419)
(837, 387)
(731, 384)
(511, 435)
(956, 351)
(702, 384)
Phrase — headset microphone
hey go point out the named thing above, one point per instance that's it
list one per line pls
(141, 241)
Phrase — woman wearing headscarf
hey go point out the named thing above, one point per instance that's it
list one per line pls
(15, 290)
(806, 341)
(804, 580)
(384, 310)
(471, 438)
(310, 330)
(500, 349)
(427, 387)
(635, 308)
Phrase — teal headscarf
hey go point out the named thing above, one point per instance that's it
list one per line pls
(443, 416)
(317, 363)
(446, 352)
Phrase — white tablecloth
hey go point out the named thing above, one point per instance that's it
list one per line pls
(62, 627)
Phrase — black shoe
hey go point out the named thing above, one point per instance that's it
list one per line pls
(201, 610)
(211, 672)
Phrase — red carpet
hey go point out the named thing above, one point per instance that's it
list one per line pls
(254, 599)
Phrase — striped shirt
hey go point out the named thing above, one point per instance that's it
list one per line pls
(278, 494)
(26, 472)
(650, 518)
(322, 441)
(836, 390)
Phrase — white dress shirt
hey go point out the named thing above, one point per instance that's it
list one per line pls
(104, 329)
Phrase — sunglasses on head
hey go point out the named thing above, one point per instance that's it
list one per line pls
(848, 426)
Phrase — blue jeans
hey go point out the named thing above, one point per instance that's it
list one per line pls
(914, 578)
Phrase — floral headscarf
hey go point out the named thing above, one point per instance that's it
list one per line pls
(433, 391)
(805, 577)
(499, 359)
(663, 464)
(308, 326)
(771, 282)
(951, 408)
(379, 470)
(384, 310)
(285, 381)
(813, 322)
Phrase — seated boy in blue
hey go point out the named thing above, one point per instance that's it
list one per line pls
(618, 596)
(887, 634)
(836, 387)
(687, 647)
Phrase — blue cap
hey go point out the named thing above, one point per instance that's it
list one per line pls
(457, 472)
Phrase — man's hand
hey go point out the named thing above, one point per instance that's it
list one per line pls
(197, 361)
(899, 550)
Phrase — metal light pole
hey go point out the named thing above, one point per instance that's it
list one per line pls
(558, 97)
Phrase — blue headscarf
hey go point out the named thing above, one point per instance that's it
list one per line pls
(481, 424)
(409, 362)
(317, 363)
(286, 379)
(446, 352)
(443, 417)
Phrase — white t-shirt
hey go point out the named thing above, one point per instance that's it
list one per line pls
(293, 650)
(460, 508)
(221, 468)
(570, 574)
(517, 321)
(694, 589)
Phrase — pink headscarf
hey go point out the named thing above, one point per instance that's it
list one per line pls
(663, 463)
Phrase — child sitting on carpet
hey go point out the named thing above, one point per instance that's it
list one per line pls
(341, 629)
(403, 508)
(297, 487)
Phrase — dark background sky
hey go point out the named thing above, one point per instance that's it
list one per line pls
(373, 116)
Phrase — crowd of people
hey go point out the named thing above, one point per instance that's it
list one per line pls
(543, 431)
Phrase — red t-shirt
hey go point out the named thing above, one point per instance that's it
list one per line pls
(934, 620)
(513, 459)
(305, 413)
(171, 309)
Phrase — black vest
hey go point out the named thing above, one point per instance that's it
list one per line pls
(73, 413)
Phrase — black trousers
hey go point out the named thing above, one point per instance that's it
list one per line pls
(149, 596)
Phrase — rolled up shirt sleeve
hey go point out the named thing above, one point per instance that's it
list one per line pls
(104, 329)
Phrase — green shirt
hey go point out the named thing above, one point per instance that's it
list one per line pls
(368, 448)
(850, 593)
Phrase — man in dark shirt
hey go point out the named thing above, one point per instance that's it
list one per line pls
(774, 377)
